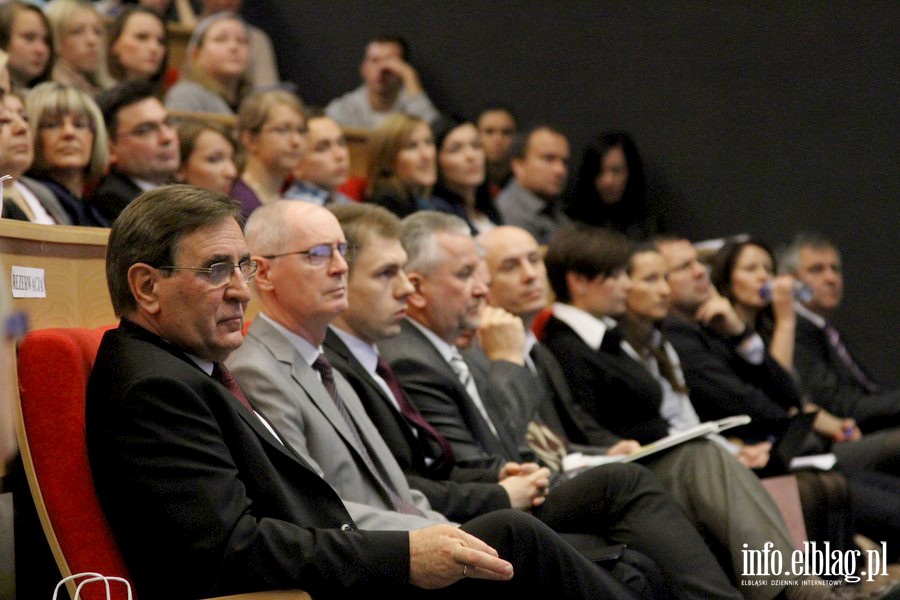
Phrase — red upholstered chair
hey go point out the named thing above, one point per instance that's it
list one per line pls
(53, 369)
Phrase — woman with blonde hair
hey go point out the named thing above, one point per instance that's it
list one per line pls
(216, 78)
(71, 147)
(402, 165)
(272, 132)
(79, 37)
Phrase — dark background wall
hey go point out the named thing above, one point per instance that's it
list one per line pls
(758, 117)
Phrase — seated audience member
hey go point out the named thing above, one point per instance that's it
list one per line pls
(143, 146)
(138, 46)
(71, 148)
(79, 39)
(461, 188)
(198, 485)
(207, 156)
(497, 125)
(263, 69)
(828, 374)
(720, 496)
(401, 168)
(610, 190)
(390, 85)
(460, 399)
(324, 165)
(647, 304)
(743, 273)
(36, 201)
(25, 36)
(215, 78)
(272, 132)
(532, 198)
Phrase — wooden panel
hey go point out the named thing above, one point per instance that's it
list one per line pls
(358, 144)
(73, 259)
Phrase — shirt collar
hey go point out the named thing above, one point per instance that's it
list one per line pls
(588, 327)
(365, 353)
(307, 351)
(206, 366)
(309, 192)
(447, 351)
(145, 185)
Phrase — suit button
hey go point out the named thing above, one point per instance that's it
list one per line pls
(346, 527)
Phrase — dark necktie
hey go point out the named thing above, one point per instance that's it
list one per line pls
(411, 413)
(221, 374)
(325, 371)
(834, 338)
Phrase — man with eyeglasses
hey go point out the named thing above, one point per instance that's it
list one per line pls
(143, 146)
(302, 286)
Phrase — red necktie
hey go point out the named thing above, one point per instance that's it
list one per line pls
(411, 413)
(221, 374)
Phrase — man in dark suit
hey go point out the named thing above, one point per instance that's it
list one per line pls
(828, 374)
(143, 146)
(201, 493)
(459, 399)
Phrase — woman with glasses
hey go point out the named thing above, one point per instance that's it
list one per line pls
(216, 79)
(79, 38)
(272, 131)
(23, 197)
(25, 36)
(207, 156)
(71, 147)
(137, 46)
(401, 169)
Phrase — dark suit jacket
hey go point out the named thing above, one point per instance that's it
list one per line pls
(617, 391)
(580, 428)
(460, 493)
(433, 387)
(723, 384)
(202, 499)
(825, 380)
(114, 193)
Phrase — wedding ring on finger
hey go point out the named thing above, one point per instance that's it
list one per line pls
(465, 570)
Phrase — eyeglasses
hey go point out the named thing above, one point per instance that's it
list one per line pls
(221, 273)
(322, 254)
(285, 129)
(154, 128)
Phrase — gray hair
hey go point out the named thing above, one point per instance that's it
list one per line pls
(268, 230)
(418, 232)
(789, 257)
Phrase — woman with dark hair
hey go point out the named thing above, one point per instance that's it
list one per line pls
(744, 272)
(25, 36)
(402, 168)
(610, 190)
(137, 45)
(462, 188)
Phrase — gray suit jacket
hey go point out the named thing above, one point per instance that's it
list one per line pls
(523, 208)
(280, 384)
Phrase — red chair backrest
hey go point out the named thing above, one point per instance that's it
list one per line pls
(540, 321)
(53, 367)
